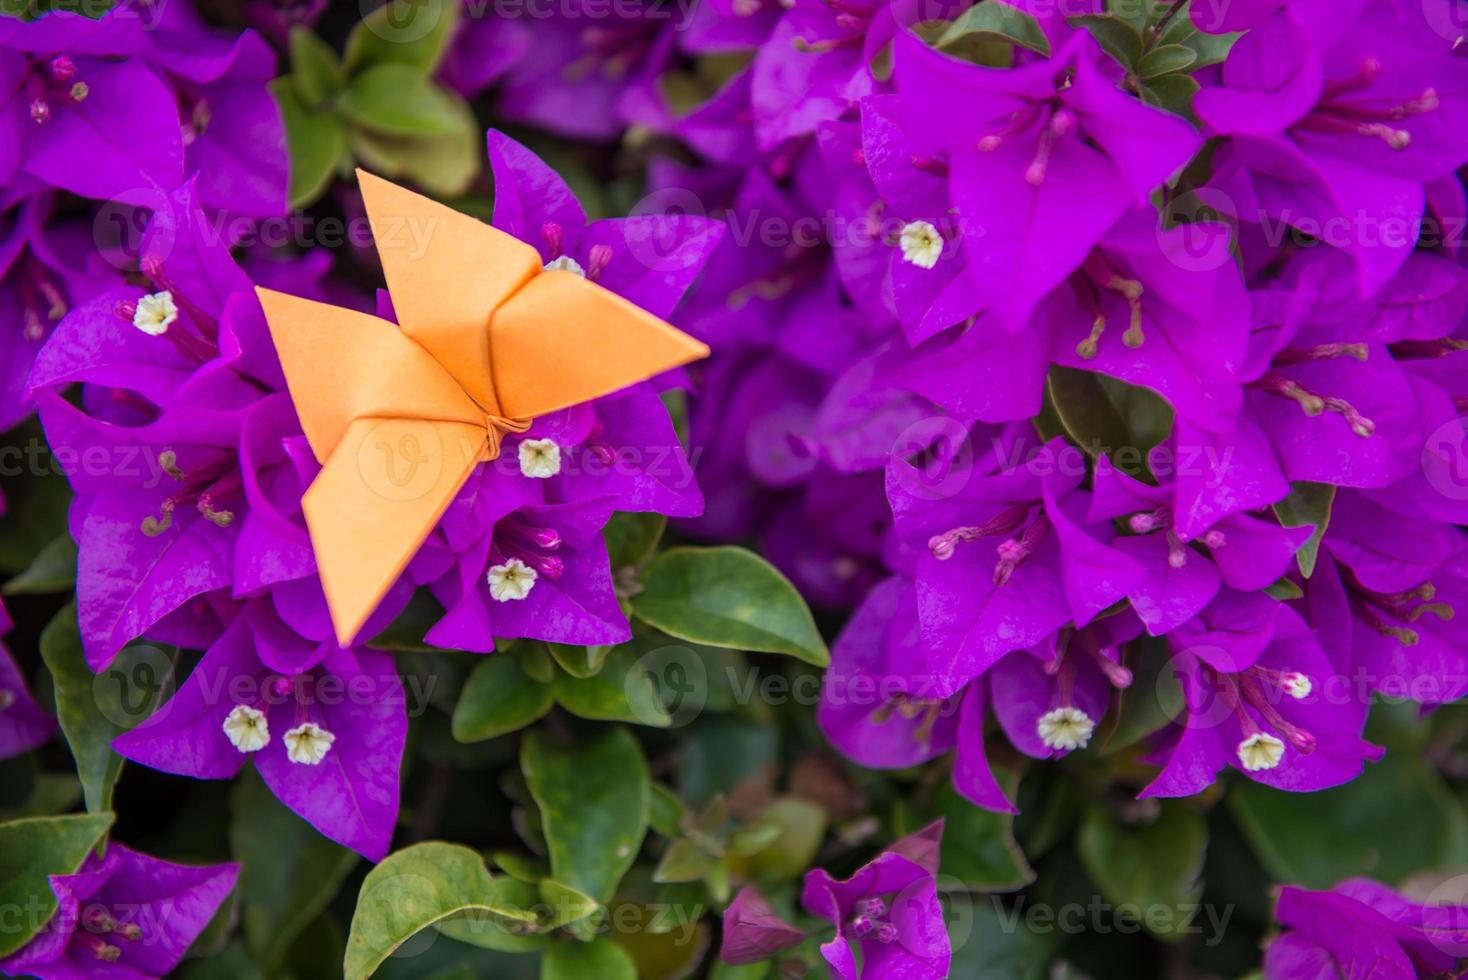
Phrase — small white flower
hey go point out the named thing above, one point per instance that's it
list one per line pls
(540, 458)
(511, 581)
(308, 744)
(921, 244)
(1065, 729)
(155, 313)
(566, 264)
(247, 728)
(1297, 685)
(1260, 751)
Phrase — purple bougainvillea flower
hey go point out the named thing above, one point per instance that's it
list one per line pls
(1262, 697)
(486, 44)
(46, 269)
(126, 916)
(884, 710)
(1044, 157)
(23, 724)
(324, 726)
(1362, 928)
(505, 563)
(753, 930)
(233, 134)
(591, 71)
(1008, 558)
(815, 65)
(1050, 699)
(1336, 130)
(1144, 307)
(623, 446)
(152, 452)
(889, 910)
(275, 18)
(1396, 585)
(877, 706)
(899, 252)
(1186, 568)
(83, 113)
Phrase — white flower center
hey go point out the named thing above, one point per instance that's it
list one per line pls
(511, 581)
(566, 264)
(1297, 685)
(155, 313)
(921, 244)
(540, 458)
(247, 728)
(1260, 751)
(308, 744)
(1065, 729)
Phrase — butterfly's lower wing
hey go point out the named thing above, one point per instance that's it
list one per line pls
(562, 340)
(377, 498)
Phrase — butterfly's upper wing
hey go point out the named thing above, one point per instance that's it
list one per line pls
(561, 340)
(447, 273)
(342, 365)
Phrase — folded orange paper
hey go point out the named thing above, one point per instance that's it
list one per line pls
(398, 415)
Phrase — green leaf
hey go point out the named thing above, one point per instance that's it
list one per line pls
(1152, 700)
(506, 936)
(316, 141)
(316, 71)
(622, 691)
(415, 888)
(1152, 866)
(1308, 503)
(36, 504)
(632, 537)
(394, 100)
(1091, 419)
(579, 661)
(1173, 93)
(979, 848)
(53, 570)
(443, 166)
(682, 861)
(1394, 820)
(1117, 38)
(593, 801)
(800, 826)
(413, 33)
(601, 959)
(499, 698)
(1284, 590)
(999, 22)
(1211, 49)
(30, 851)
(567, 904)
(289, 872)
(728, 597)
(665, 810)
(1166, 59)
(95, 709)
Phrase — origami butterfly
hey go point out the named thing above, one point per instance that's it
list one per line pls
(399, 415)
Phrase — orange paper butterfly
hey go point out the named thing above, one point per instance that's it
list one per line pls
(399, 415)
